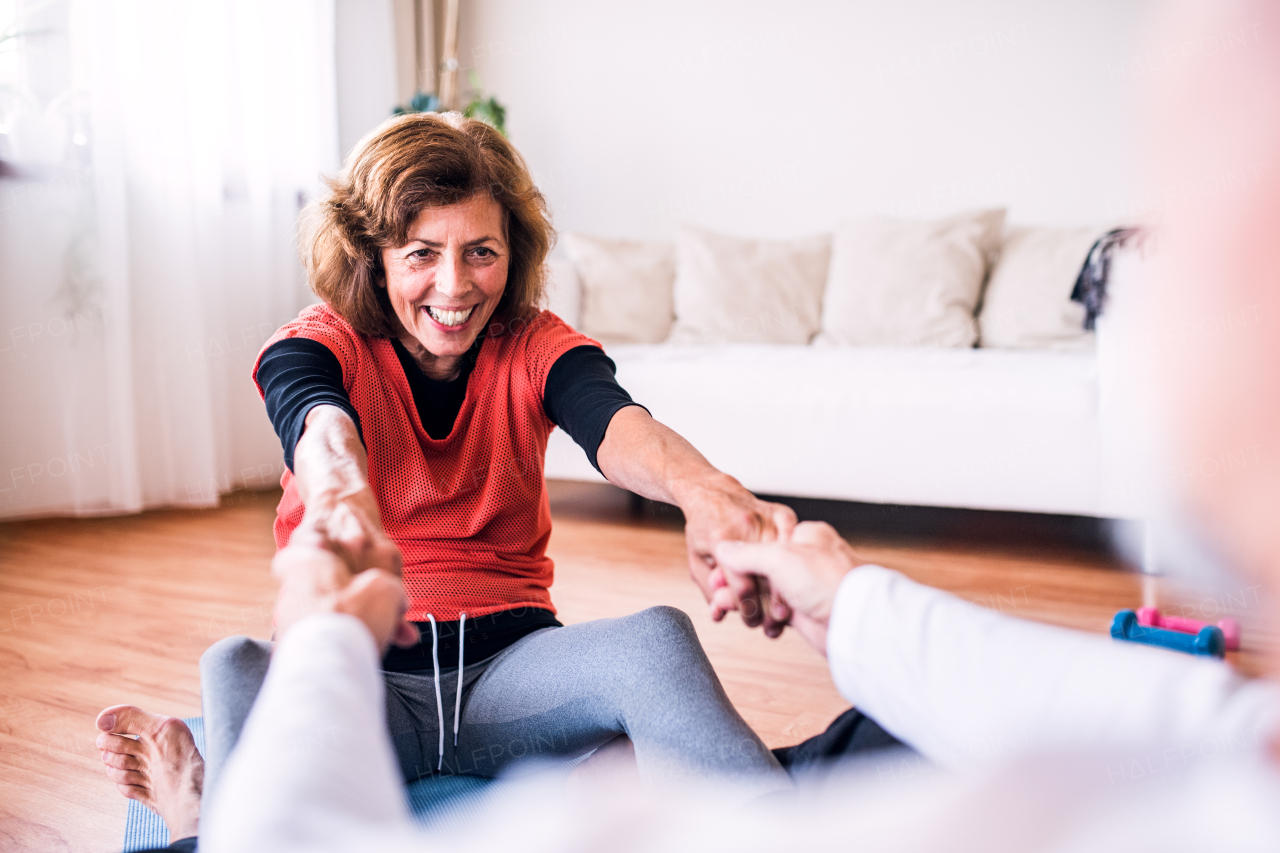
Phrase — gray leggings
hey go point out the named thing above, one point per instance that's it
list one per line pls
(558, 692)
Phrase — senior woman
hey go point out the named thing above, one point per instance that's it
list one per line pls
(414, 407)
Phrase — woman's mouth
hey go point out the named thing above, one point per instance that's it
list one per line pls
(446, 317)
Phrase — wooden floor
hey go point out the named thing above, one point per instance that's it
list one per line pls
(95, 612)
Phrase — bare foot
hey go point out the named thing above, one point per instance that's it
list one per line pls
(160, 769)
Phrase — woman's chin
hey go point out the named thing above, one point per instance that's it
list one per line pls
(446, 344)
(448, 348)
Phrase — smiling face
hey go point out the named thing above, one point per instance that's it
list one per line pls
(446, 281)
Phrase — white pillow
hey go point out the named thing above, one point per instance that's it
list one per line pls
(1028, 299)
(626, 288)
(908, 283)
(731, 290)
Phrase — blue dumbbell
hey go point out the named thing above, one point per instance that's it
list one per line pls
(1209, 642)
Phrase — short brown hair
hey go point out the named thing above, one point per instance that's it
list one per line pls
(409, 163)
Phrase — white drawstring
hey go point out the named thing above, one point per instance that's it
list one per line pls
(457, 702)
(435, 667)
(435, 670)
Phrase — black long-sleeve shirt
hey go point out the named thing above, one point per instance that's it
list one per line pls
(297, 374)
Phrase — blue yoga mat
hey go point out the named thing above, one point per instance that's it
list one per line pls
(431, 799)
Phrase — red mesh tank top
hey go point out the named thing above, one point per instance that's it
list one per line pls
(469, 512)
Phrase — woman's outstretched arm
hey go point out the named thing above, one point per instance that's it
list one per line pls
(302, 385)
(330, 468)
(642, 455)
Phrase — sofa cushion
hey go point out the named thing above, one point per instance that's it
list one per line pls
(908, 283)
(734, 290)
(626, 288)
(1027, 304)
(563, 288)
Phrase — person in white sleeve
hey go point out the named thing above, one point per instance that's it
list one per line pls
(1037, 738)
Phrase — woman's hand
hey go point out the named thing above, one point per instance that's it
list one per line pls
(349, 525)
(352, 540)
(652, 460)
(804, 572)
(723, 511)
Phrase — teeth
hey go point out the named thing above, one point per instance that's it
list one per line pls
(450, 318)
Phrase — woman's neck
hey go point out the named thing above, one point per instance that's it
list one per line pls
(441, 368)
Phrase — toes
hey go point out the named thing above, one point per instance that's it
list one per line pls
(128, 719)
(133, 792)
(119, 743)
(120, 761)
(173, 736)
(169, 733)
(126, 777)
(109, 718)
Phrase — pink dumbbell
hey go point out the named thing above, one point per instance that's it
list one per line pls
(1151, 618)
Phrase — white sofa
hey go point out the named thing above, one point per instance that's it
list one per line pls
(1000, 429)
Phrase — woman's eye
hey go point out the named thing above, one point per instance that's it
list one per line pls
(421, 254)
(485, 252)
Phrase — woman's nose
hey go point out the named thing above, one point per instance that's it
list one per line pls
(450, 279)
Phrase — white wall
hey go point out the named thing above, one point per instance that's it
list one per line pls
(365, 54)
(761, 117)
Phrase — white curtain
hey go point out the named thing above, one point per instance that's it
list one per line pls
(147, 245)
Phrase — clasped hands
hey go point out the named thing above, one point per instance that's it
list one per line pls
(340, 560)
(752, 557)
(747, 555)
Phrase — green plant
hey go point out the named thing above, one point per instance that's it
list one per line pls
(487, 110)
(421, 102)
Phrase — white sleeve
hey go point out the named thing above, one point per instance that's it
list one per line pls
(964, 685)
(313, 769)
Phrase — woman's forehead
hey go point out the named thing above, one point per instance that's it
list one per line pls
(477, 216)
